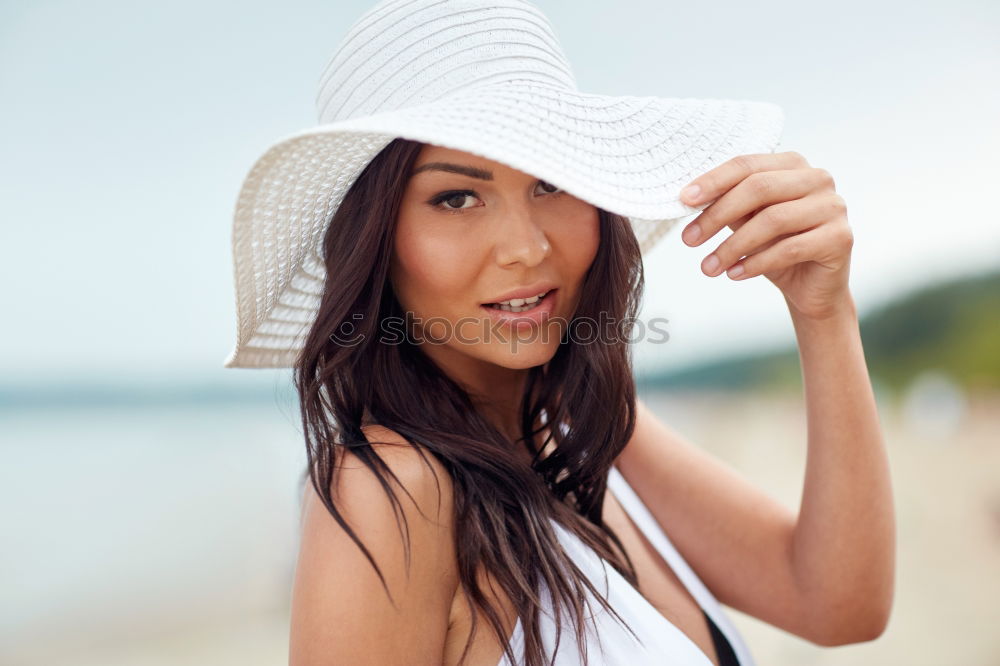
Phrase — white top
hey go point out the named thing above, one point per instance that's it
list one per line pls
(608, 642)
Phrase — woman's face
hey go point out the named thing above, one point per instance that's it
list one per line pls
(470, 232)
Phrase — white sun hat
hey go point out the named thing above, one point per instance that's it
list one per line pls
(487, 77)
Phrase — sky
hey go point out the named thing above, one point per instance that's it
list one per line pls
(126, 129)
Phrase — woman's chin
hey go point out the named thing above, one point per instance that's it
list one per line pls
(520, 356)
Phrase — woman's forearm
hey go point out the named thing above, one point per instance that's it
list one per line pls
(843, 551)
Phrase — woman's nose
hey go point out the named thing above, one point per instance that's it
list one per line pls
(520, 238)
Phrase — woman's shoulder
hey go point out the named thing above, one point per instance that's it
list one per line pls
(418, 479)
(336, 585)
(416, 468)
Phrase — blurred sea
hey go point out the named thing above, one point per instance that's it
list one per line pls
(147, 527)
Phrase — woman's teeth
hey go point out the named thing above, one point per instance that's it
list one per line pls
(518, 304)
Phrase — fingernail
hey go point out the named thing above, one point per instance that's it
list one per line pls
(692, 233)
(691, 193)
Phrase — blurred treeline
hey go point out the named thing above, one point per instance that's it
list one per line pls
(950, 328)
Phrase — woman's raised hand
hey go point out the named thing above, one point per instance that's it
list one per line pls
(789, 225)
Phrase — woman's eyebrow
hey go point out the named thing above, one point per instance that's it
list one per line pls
(469, 171)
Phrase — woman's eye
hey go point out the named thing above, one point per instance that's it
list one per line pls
(452, 202)
(549, 185)
(455, 197)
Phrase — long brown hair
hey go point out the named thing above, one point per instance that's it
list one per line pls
(503, 505)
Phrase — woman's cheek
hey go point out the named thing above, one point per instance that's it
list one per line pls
(580, 239)
(433, 272)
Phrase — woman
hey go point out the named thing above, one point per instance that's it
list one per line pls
(477, 457)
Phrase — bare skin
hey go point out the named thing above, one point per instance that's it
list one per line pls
(825, 574)
(453, 256)
(513, 233)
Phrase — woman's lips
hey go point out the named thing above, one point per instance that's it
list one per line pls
(540, 313)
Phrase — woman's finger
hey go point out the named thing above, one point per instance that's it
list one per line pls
(769, 224)
(713, 184)
(756, 191)
(819, 244)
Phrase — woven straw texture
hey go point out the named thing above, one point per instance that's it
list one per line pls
(488, 78)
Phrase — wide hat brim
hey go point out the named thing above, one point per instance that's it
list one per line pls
(628, 155)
